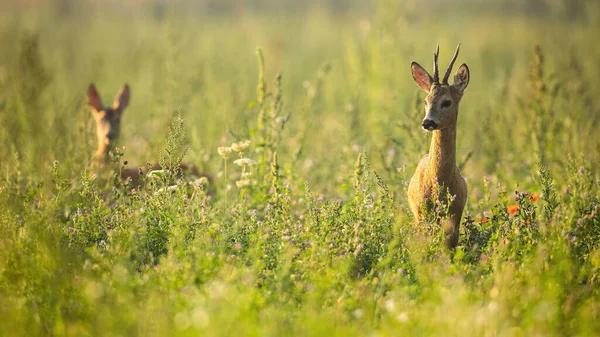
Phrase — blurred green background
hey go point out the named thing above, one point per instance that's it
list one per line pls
(198, 57)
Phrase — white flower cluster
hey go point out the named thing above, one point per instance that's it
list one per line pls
(225, 151)
(243, 162)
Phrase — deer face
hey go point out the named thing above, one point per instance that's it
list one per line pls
(441, 104)
(108, 119)
(108, 126)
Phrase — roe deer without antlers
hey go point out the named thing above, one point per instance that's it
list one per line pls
(108, 129)
(437, 170)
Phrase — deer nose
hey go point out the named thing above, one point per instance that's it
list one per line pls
(429, 124)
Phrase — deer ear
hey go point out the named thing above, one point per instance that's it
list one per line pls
(461, 79)
(122, 99)
(94, 98)
(421, 76)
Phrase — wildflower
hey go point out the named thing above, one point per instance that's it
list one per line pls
(242, 183)
(245, 162)
(358, 313)
(482, 220)
(201, 182)
(390, 305)
(513, 209)
(241, 146)
(534, 196)
(402, 317)
(224, 151)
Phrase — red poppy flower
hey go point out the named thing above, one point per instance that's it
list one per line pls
(513, 209)
(534, 196)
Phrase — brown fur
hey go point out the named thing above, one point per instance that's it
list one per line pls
(108, 129)
(133, 175)
(437, 171)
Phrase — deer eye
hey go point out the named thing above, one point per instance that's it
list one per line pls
(446, 103)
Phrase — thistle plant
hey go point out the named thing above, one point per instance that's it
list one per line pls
(175, 148)
(261, 93)
(275, 177)
(270, 119)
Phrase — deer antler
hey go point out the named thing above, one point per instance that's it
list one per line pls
(447, 75)
(436, 74)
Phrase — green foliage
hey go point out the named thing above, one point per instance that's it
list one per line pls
(304, 228)
(175, 148)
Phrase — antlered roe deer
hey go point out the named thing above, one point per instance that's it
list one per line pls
(437, 172)
(108, 129)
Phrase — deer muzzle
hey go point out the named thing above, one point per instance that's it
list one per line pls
(429, 124)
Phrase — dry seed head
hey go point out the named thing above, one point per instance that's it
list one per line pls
(358, 169)
(536, 72)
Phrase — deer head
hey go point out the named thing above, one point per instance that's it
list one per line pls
(441, 104)
(108, 119)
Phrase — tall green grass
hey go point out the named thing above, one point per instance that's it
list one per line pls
(313, 236)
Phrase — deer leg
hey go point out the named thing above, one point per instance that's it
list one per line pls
(451, 227)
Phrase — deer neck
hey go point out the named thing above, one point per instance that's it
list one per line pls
(442, 154)
(102, 153)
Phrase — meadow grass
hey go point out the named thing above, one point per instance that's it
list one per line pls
(306, 231)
